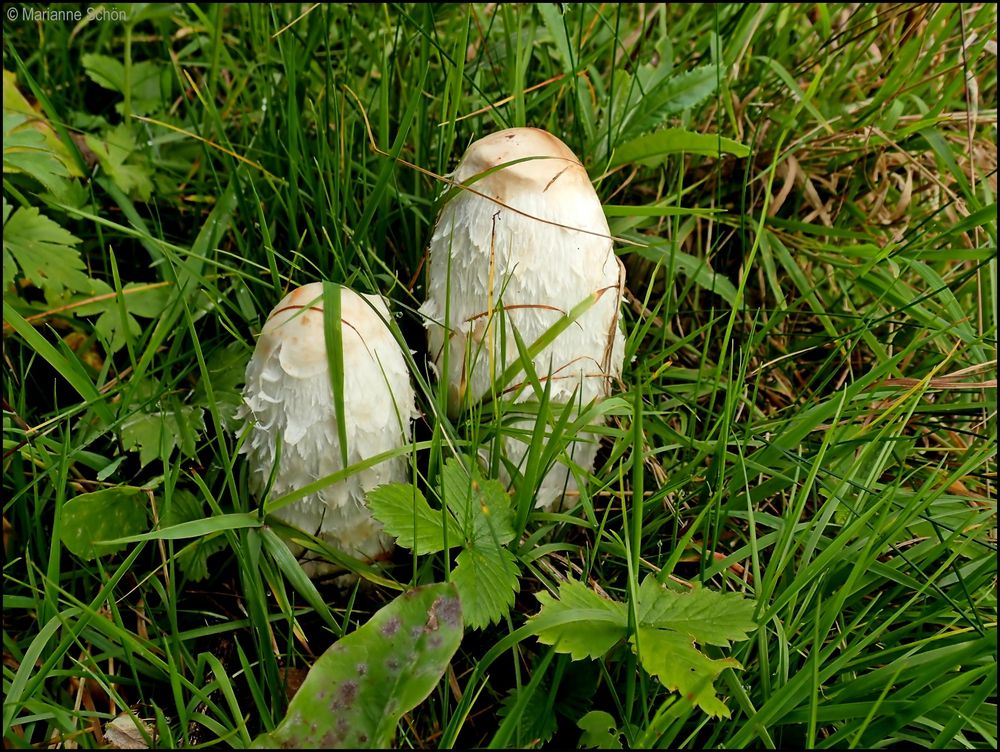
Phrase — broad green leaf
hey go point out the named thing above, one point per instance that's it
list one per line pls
(144, 300)
(43, 251)
(599, 731)
(650, 149)
(103, 516)
(582, 639)
(193, 558)
(706, 616)
(104, 71)
(673, 659)
(158, 433)
(356, 692)
(405, 513)
(486, 578)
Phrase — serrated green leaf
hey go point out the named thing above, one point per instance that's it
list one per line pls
(140, 299)
(115, 154)
(103, 516)
(651, 148)
(143, 80)
(536, 723)
(582, 639)
(673, 659)
(159, 433)
(405, 514)
(193, 558)
(104, 71)
(226, 369)
(357, 691)
(706, 616)
(43, 251)
(672, 95)
(599, 731)
(481, 507)
(487, 580)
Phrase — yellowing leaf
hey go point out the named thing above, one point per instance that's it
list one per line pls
(14, 102)
(673, 659)
(706, 616)
(580, 637)
(25, 150)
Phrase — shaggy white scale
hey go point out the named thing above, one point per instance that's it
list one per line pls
(530, 238)
(288, 397)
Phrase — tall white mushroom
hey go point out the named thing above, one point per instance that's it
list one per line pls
(532, 232)
(288, 396)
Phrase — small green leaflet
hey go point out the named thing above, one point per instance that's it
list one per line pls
(478, 518)
(158, 433)
(482, 507)
(599, 731)
(706, 616)
(486, 578)
(122, 162)
(585, 625)
(144, 81)
(148, 301)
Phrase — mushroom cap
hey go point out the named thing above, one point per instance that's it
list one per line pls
(288, 397)
(549, 167)
(533, 236)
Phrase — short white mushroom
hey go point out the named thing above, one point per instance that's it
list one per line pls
(288, 397)
(532, 233)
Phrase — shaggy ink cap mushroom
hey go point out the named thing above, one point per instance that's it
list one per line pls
(288, 400)
(528, 233)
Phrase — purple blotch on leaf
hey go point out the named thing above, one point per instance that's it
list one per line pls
(348, 693)
(391, 626)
